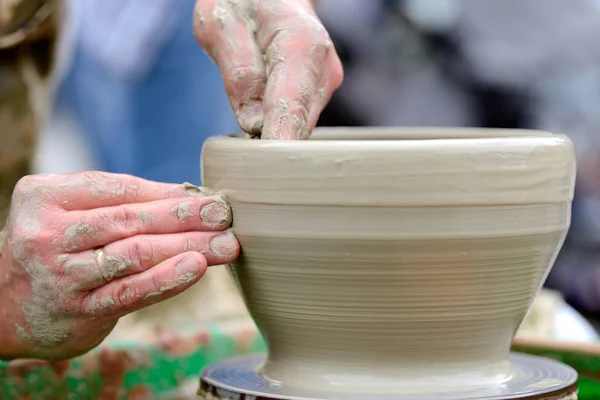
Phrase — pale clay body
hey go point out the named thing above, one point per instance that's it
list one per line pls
(368, 260)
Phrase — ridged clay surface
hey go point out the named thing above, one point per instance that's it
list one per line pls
(393, 259)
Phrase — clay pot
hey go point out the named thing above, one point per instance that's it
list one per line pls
(386, 258)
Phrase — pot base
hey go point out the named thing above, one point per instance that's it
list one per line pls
(536, 378)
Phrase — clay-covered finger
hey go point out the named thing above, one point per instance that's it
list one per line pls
(92, 229)
(92, 189)
(93, 268)
(333, 75)
(131, 293)
(291, 89)
(296, 46)
(222, 29)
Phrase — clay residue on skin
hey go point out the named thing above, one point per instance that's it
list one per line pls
(246, 77)
(74, 265)
(190, 245)
(185, 278)
(200, 18)
(282, 106)
(152, 295)
(22, 333)
(79, 228)
(46, 330)
(192, 190)
(168, 286)
(73, 234)
(96, 306)
(28, 220)
(161, 290)
(321, 92)
(113, 266)
(146, 218)
(217, 213)
(184, 273)
(221, 15)
(98, 185)
(48, 325)
(182, 210)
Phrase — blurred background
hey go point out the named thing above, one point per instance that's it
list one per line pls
(135, 94)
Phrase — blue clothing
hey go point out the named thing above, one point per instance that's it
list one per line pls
(152, 127)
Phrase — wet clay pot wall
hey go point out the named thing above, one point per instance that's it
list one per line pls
(377, 257)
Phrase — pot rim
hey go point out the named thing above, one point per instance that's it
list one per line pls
(461, 167)
(380, 134)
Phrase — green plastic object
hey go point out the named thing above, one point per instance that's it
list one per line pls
(166, 366)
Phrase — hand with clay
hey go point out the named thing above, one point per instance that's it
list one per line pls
(278, 63)
(79, 251)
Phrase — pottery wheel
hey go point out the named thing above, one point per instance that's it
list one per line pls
(535, 378)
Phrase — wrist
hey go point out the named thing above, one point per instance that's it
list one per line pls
(11, 344)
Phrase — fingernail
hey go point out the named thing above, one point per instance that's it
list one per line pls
(187, 266)
(224, 245)
(216, 214)
(251, 117)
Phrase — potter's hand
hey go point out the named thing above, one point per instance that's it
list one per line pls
(79, 251)
(278, 63)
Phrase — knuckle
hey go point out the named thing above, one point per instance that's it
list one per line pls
(112, 185)
(337, 76)
(244, 79)
(24, 244)
(19, 242)
(131, 188)
(323, 43)
(300, 110)
(200, 24)
(95, 176)
(275, 62)
(244, 73)
(319, 48)
(31, 185)
(156, 284)
(205, 24)
(24, 184)
(126, 218)
(140, 252)
(127, 296)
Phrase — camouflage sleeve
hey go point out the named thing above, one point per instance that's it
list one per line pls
(24, 20)
(27, 39)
